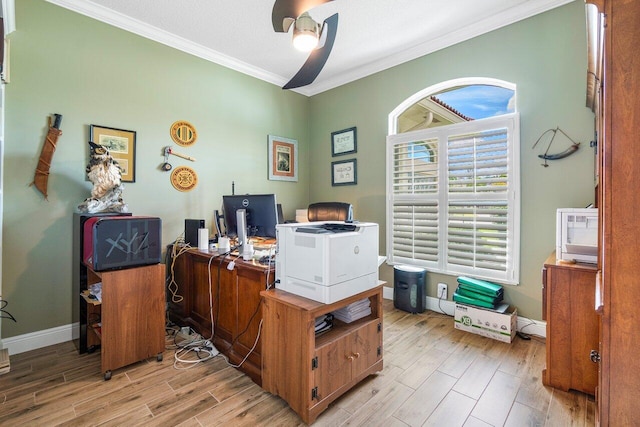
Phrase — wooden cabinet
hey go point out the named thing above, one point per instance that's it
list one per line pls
(310, 372)
(572, 325)
(128, 324)
(618, 121)
(205, 288)
(79, 274)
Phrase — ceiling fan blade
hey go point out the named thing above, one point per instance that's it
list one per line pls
(290, 9)
(318, 57)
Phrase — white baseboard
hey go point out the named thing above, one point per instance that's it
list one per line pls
(39, 339)
(531, 327)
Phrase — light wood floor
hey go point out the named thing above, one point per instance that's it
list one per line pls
(433, 375)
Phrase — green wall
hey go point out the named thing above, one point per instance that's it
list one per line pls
(545, 56)
(92, 73)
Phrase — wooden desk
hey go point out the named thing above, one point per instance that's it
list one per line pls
(204, 282)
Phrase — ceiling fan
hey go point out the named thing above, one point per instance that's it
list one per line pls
(294, 12)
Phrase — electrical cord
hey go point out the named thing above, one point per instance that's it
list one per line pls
(440, 307)
(250, 351)
(172, 286)
(197, 347)
(268, 286)
(203, 348)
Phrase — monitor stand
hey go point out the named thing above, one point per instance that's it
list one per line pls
(241, 228)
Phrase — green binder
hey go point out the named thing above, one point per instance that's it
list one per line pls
(480, 286)
(482, 297)
(472, 301)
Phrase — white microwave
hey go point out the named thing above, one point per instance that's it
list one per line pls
(577, 235)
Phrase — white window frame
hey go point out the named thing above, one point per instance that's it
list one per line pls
(511, 197)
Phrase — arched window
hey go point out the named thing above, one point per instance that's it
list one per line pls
(453, 187)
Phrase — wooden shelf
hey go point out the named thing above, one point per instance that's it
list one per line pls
(128, 324)
(86, 295)
(309, 371)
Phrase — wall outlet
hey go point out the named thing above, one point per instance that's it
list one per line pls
(442, 291)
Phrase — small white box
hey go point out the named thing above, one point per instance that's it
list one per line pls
(488, 323)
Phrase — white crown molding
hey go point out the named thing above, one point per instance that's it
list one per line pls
(510, 16)
(150, 32)
(497, 21)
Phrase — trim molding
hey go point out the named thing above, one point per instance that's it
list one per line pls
(9, 14)
(60, 334)
(39, 339)
(530, 326)
(118, 20)
(507, 17)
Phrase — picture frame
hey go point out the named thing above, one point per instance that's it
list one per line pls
(283, 159)
(344, 142)
(121, 144)
(344, 172)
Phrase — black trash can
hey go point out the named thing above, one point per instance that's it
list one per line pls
(409, 288)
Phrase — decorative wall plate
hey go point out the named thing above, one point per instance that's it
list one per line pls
(183, 133)
(184, 178)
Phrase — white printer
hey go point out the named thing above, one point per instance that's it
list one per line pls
(327, 261)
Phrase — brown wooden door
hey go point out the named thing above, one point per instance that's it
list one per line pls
(366, 343)
(334, 366)
(572, 329)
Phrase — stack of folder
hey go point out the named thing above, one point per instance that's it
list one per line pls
(354, 311)
(324, 323)
(478, 292)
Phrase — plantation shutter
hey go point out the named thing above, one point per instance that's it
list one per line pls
(478, 213)
(415, 210)
(453, 204)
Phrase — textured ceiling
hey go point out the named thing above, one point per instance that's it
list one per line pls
(373, 35)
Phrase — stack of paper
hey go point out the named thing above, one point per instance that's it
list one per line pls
(354, 311)
(324, 323)
(96, 290)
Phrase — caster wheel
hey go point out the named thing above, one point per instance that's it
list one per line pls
(107, 375)
(91, 349)
(159, 357)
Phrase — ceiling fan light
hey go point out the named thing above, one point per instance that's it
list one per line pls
(306, 33)
(305, 41)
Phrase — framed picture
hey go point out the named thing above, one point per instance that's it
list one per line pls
(344, 172)
(283, 159)
(121, 145)
(344, 142)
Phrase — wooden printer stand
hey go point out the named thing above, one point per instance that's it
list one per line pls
(310, 371)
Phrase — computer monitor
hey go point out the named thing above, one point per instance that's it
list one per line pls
(261, 214)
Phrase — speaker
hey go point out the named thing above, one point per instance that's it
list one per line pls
(191, 227)
(116, 242)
